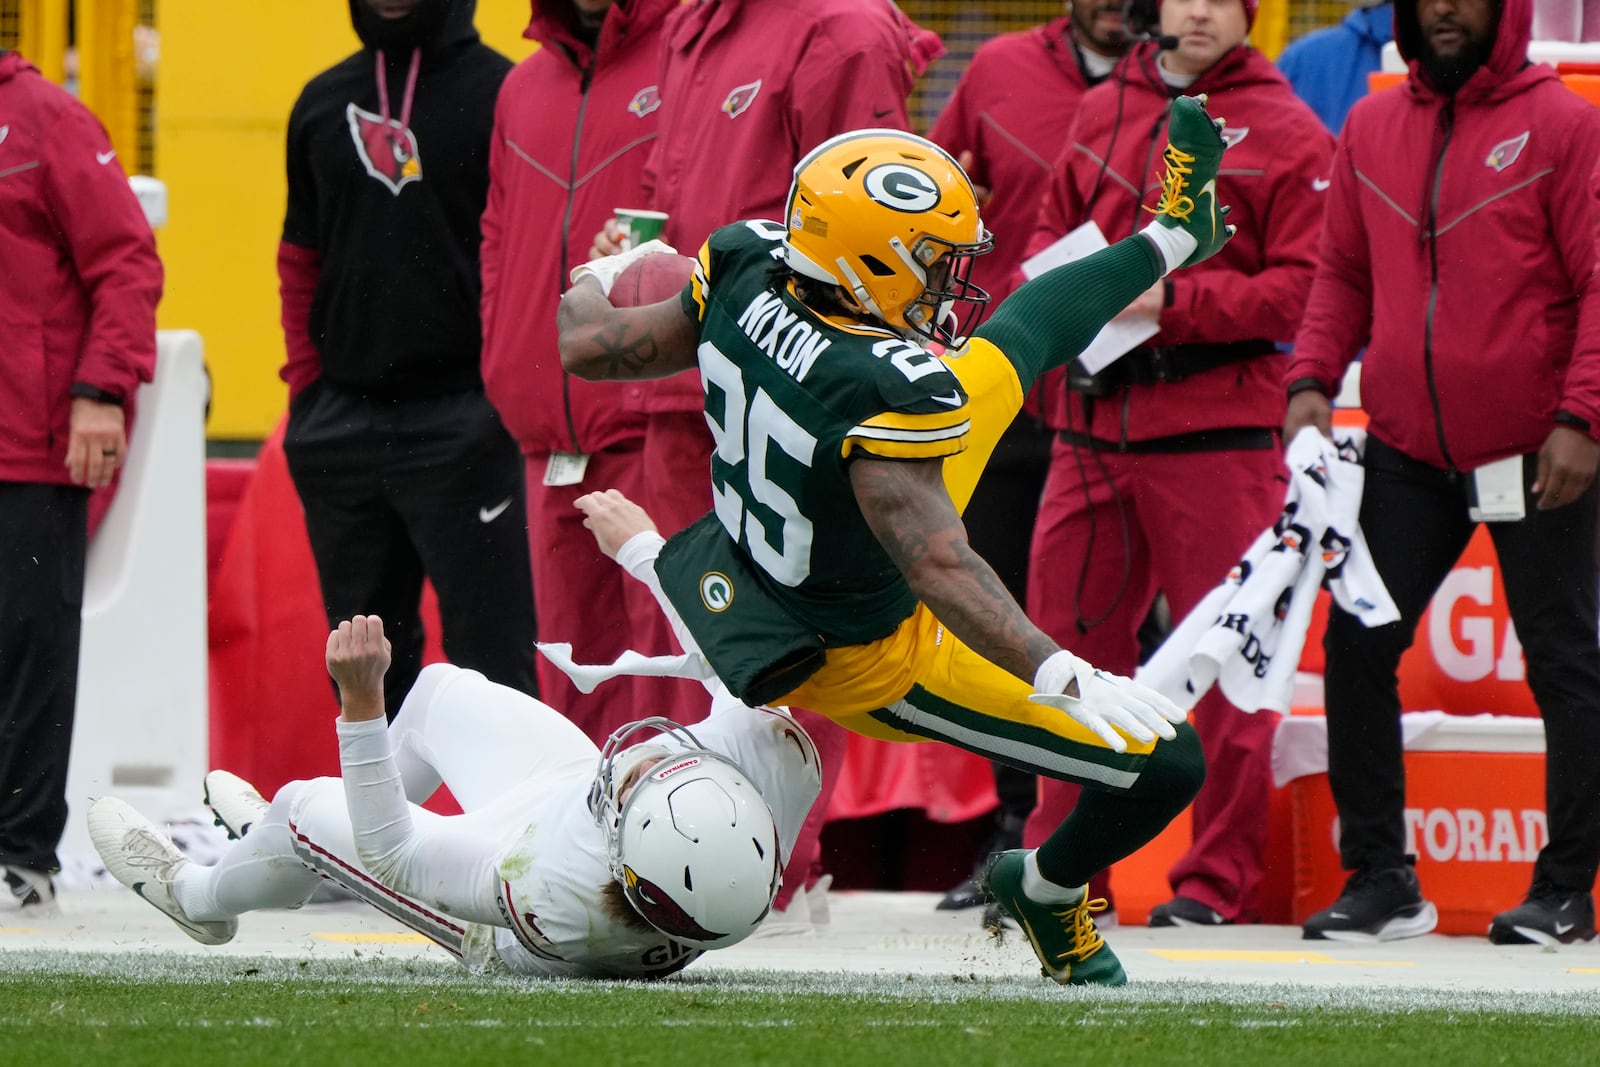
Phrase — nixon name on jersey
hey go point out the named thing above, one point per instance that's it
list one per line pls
(793, 345)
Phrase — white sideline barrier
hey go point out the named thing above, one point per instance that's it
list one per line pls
(141, 727)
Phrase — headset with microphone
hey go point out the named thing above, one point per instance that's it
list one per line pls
(1143, 19)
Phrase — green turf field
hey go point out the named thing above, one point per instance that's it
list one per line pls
(127, 1010)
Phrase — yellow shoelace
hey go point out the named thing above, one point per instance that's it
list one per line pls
(1176, 179)
(1078, 922)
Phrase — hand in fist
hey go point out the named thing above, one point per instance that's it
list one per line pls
(358, 658)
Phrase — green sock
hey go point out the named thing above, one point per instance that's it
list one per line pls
(1108, 826)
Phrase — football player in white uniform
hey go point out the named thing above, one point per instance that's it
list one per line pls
(568, 861)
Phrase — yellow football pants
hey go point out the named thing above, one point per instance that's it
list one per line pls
(922, 683)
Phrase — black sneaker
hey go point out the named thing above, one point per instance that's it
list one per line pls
(966, 894)
(1550, 916)
(969, 893)
(31, 889)
(1376, 905)
(1186, 911)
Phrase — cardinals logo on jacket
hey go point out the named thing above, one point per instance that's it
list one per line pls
(739, 99)
(645, 101)
(1506, 152)
(387, 149)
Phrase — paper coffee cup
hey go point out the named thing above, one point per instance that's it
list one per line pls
(639, 225)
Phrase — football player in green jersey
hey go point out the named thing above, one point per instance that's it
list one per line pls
(852, 422)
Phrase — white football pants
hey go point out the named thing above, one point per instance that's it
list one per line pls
(498, 750)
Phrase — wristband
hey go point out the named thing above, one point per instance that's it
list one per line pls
(639, 552)
(1305, 385)
(85, 391)
(1577, 422)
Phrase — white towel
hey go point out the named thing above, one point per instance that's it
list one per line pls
(1247, 634)
(586, 677)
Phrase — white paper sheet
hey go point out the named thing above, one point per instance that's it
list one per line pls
(1117, 338)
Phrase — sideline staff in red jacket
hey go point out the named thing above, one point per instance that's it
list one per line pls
(1168, 464)
(573, 126)
(77, 336)
(1461, 227)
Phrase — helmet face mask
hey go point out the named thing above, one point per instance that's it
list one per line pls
(693, 844)
(948, 285)
(892, 220)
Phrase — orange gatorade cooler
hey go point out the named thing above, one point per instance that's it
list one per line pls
(1475, 815)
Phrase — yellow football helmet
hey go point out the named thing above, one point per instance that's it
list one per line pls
(892, 220)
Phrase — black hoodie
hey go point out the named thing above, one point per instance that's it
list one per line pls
(392, 207)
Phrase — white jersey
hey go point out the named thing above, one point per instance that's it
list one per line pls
(521, 876)
(553, 875)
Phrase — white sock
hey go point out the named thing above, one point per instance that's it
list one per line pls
(259, 871)
(1175, 245)
(192, 890)
(1039, 888)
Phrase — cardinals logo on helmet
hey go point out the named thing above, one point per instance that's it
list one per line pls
(740, 98)
(660, 910)
(387, 149)
(645, 101)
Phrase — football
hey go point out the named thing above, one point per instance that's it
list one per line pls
(651, 279)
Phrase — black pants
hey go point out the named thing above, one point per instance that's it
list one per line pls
(397, 490)
(43, 543)
(1415, 521)
(999, 522)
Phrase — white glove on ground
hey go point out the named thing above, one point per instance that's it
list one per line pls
(1106, 702)
(605, 269)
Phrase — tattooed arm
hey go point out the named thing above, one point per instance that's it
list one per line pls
(906, 505)
(603, 343)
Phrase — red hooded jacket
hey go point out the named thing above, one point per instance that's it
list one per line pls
(1462, 229)
(1273, 176)
(572, 129)
(748, 88)
(1011, 110)
(82, 278)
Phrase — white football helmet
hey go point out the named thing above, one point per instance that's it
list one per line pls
(694, 845)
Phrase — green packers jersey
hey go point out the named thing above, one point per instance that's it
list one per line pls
(791, 398)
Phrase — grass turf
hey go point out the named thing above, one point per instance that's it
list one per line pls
(164, 1010)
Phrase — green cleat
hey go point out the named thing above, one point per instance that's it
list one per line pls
(1189, 184)
(1070, 949)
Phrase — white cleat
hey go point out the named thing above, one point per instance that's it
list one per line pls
(234, 801)
(141, 858)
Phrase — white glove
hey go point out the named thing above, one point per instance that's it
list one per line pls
(605, 269)
(1106, 702)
